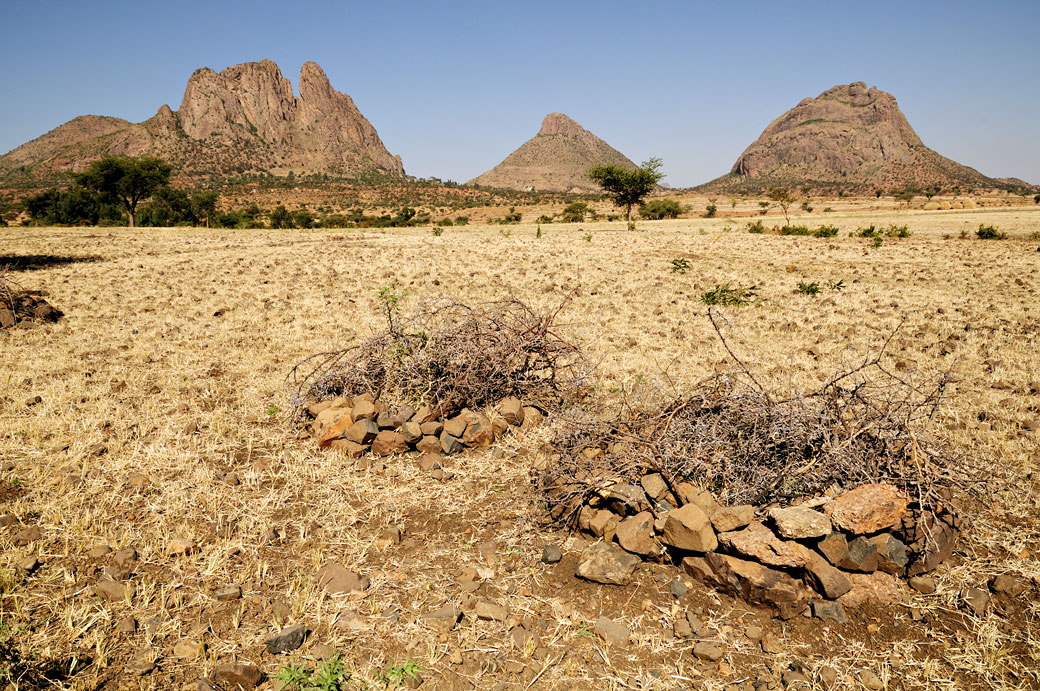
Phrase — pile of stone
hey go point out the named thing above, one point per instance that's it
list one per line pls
(823, 553)
(23, 307)
(363, 424)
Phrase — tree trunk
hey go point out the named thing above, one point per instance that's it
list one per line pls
(628, 213)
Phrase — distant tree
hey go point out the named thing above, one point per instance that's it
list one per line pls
(627, 187)
(905, 196)
(660, 208)
(280, 218)
(878, 193)
(1036, 199)
(128, 180)
(711, 208)
(574, 212)
(204, 204)
(781, 196)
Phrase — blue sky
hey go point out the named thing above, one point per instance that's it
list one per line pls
(453, 87)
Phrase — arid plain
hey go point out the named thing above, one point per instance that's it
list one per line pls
(168, 376)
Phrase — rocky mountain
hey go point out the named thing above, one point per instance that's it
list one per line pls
(555, 160)
(852, 138)
(243, 119)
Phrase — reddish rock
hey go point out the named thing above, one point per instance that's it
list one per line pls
(862, 556)
(456, 426)
(238, 676)
(479, 432)
(432, 428)
(688, 528)
(363, 431)
(757, 583)
(835, 547)
(348, 448)
(729, 518)
(930, 540)
(877, 589)
(892, 555)
(636, 535)
(603, 522)
(364, 409)
(512, 410)
(412, 432)
(868, 509)
(429, 461)
(607, 563)
(825, 578)
(429, 445)
(760, 543)
(388, 443)
(338, 579)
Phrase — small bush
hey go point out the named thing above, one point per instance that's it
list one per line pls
(826, 232)
(680, 265)
(1035, 235)
(574, 212)
(809, 288)
(894, 231)
(437, 231)
(461, 220)
(795, 230)
(877, 242)
(989, 233)
(660, 208)
(545, 219)
(868, 232)
(756, 227)
(726, 295)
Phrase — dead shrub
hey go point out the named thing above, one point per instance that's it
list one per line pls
(748, 445)
(23, 304)
(453, 355)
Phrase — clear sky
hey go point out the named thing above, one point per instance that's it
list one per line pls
(454, 87)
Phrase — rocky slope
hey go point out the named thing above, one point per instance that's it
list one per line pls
(243, 119)
(849, 137)
(556, 159)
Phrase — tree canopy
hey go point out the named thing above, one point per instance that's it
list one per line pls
(128, 180)
(627, 187)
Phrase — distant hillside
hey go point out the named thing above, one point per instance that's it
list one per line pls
(244, 119)
(849, 138)
(556, 159)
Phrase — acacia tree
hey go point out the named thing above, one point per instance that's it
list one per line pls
(627, 187)
(128, 180)
(782, 197)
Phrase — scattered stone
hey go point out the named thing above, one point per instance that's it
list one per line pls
(444, 619)
(636, 535)
(678, 589)
(113, 591)
(612, 632)
(1006, 585)
(682, 629)
(760, 543)
(654, 485)
(179, 546)
(976, 600)
(480, 432)
(489, 611)
(429, 445)
(512, 411)
(388, 443)
(753, 632)
(771, 645)
(876, 589)
(137, 481)
(826, 579)
(429, 461)
(627, 499)
(930, 541)
(923, 584)
(892, 556)
(239, 676)
(336, 431)
(26, 535)
(140, 665)
(450, 444)
(689, 528)
(337, 579)
(99, 551)
(694, 621)
(189, 648)
(28, 565)
(231, 592)
(322, 651)
(348, 448)
(698, 568)
(124, 556)
(797, 523)
(757, 583)
(126, 625)
(868, 509)
(362, 431)
(551, 554)
(523, 639)
(708, 651)
(729, 518)
(828, 676)
(871, 680)
(603, 524)
(826, 610)
(389, 537)
(607, 563)
(232, 479)
(287, 639)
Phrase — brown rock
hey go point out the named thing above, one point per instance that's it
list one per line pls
(699, 568)
(238, 676)
(444, 619)
(729, 518)
(607, 563)
(412, 432)
(456, 426)
(689, 528)
(612, 632)
(930, 540)
(797, 523)
(428, 445)
(286, 640)
(432, 428)
(692, 494)
(179, 546)
(450, 445)
(835, 547)
(429, 461)
(532, 417)
(862, 556)
(364, 409)
(868, 509)
(348, 448)
(489, 611)
(760, 543)
(479, 432)
(113, 591)
(7, 318)
(338, 579)
(26, 535)
(636, 535)
(603, 522)
(424, 415)
(388, 443)
(654, 485)
(825, 578)
(923, 584)
(512, 411)
(332, 415)
(892, 556)
(876, 589)
(708, 651)
(757, 583)
(1008, 586)
(363, 431)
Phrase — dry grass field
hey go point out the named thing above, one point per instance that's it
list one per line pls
(163, 416)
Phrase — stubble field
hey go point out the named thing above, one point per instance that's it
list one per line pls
(168, 375)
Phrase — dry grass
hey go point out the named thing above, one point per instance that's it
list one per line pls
(179, 327)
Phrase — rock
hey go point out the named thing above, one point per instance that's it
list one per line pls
(757, 583)
(698, 568)
(348, 448)
(868, 509)
(140, 665)
(930, 540)
(450, 444)
(364, 409)
(729, 518)
(137, 481)
(126, 625)
(489, 611)
(114, 591)
(362, 431)
(387, 420)
(389, 537)
(532, 418)
(636, 535)
(694, 621)
(607, 563)
(444, 619)
(876, 589)
(179, 546)
(760, 543)
(512, 411)
(99, 551)
(388, 443)
(923, 584)
(795, 680)
(28, 565)
(753, 632)
(479, 432)
(287, 639)
(26, 535)
(551, 554)
(612, 632)
(797, 523)
(828, 676)
(412, 432)
(7, 318)
(189, 648)
(708, 651)
(336, 430)
(892, 556)
(682, 629)
(871, 680)
(688, 528)
(429, 461)
(337, 579)
(692, 494)
(229, 592)
(654, 485)
(825, 578)
(232, 479)
(432, 428)
(429, 445)
(125, 556)
(862, 556)
(678, 589)
(825, 610)
(976, 600)
(238, 676)
(1008, 586)
(456, 426)
(771, 645)
(625, 499)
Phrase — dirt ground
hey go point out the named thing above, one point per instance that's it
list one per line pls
(169, 369)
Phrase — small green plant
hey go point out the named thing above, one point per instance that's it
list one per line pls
(826, 232)
(1035, 235)
(756, 227)
(680, 265)
(836, 285)
(795, 230)
(273, 410)
(437, 231)
(989, 233)
(806, 207)
(391, 300)
(809, 288)
(330, 675)
(877, 242)
(538, 233)
(505, 232)
(631, 225)
(397, 675)
(727, 295)
(894, 231)
(587, 237)
(868, 232)
(827, 209)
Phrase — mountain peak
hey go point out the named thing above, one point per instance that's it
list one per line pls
(558, 123)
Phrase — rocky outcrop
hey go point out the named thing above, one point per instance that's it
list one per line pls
(557, 159)
(848, 137)
(242, 119)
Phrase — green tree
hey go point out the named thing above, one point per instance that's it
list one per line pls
(204, 204)
(574, 212)
(128, 180)
(660, 208)
(281, 218)
(781, 196)
(627, 187)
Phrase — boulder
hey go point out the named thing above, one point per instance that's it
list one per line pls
(825, 578)
(868, 509)
(654, 485)
(412, 432)
(892, 555)
(363, 431)
(760, 543)
(607, 563)
(449, 444)
(636, 535)
(876, 589)
(862, 556)
(930, 540)
(755, 582)
(388, 442)
(364, 409)
(456, 426)
(688, 528)
(729, 518)
(512, 410)
(478, 433)
(798, 523)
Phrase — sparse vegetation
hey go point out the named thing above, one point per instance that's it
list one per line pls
(756, 227)
(731, 296)
(680, 265)
(628, 187)
(986, 232)
(657, 209)
(781, 196)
